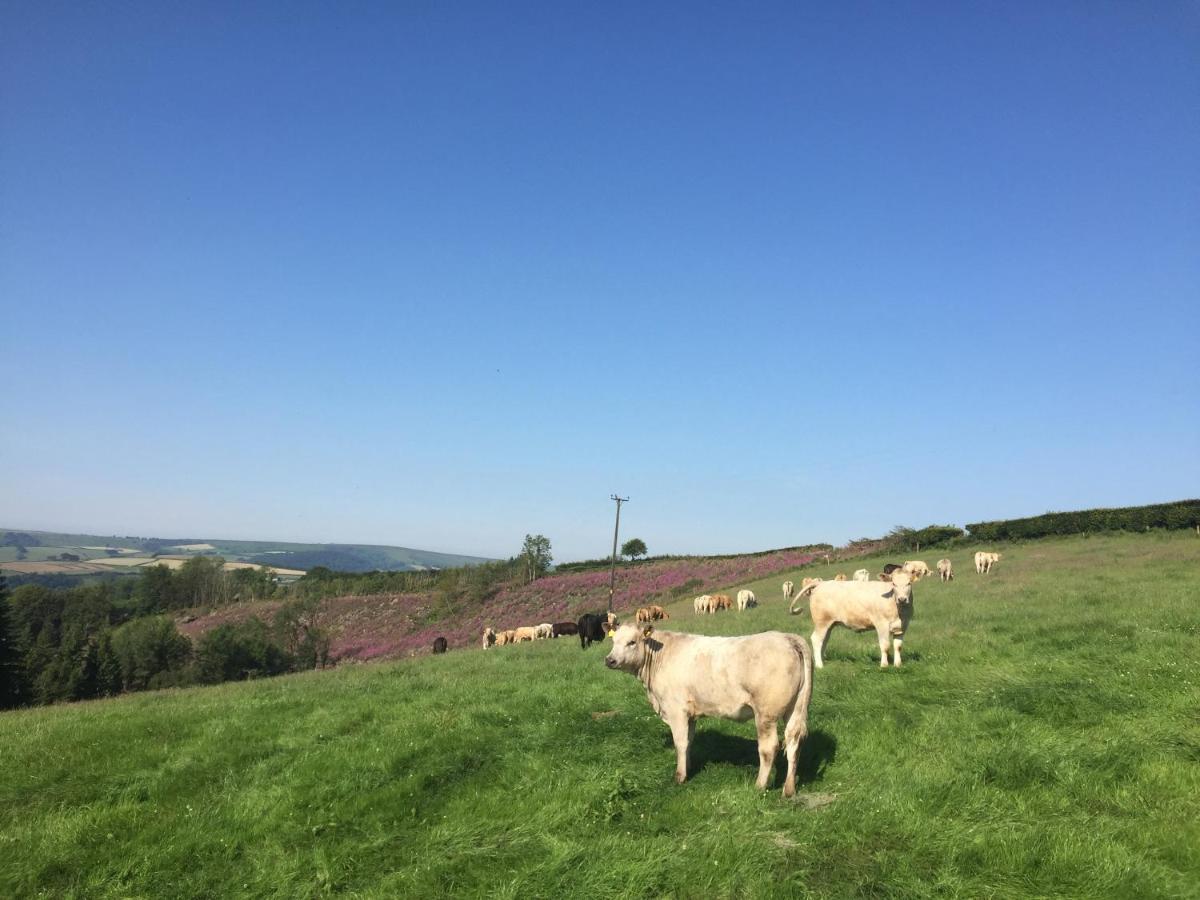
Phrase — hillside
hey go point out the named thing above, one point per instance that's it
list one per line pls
(24, 551)
(386, 626)
(1040, 740)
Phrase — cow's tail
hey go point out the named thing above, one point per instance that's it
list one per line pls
(797, 723)
(800, 596)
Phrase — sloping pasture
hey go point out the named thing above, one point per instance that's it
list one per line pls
(1042, 739)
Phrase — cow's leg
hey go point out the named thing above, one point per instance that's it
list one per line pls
(819, 636)
(768, 747)
(897, 642)
(882, 632)
(683, 730)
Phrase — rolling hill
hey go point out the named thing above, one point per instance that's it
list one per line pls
(28, 546)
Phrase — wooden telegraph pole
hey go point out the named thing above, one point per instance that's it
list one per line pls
(612, 577)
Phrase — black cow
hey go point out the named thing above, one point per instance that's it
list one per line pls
(890, 568)
(439, 645)
(592, 627)
(561, 628)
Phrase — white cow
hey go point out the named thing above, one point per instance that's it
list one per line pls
(746, 600)
(984, 562)
(767, 676)
(862, 575)
(525, 633)
(545, 631)
(489, 637)
(916, 569)
(945, 569)
(788, 589)
(702, 604)
(882, 605)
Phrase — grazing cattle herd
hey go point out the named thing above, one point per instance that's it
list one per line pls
(767, 676)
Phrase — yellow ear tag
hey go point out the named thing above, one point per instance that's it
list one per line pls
(611, 633)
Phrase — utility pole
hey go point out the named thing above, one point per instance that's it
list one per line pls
(612, 577)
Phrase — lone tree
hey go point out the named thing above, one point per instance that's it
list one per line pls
(536, 555)
(633, 548)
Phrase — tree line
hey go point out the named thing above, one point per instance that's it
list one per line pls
(109, 638)
(1173, 516)
(77, 643)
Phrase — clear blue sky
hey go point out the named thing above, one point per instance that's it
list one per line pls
(439, 275)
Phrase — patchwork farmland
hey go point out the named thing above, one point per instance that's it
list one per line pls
(1041, 739)
(25, 552)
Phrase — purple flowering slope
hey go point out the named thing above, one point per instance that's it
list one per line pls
(386, 626)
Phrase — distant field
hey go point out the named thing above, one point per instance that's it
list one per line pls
(291, 556)
(1041, 740)
(34, 554)
(46, 567)
(126, 563)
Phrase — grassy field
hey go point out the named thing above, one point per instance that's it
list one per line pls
(1041, 740)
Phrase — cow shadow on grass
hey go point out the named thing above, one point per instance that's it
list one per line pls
(816, 753)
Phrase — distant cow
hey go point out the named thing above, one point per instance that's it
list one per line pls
(889, 568)
(767, 676)
(840, 576)
(788, 588)
(702, 604)
(885, 607)
(642, 615)
(657, 612)
(526, 633)
(561, 628)
(489, 637)
(720, 602)
(440, 645)
(508, 636)
(746, 600)
(945, 569)
(984, 562)
(545, 631)
(592, 627)
(862, 575)
(917, 569)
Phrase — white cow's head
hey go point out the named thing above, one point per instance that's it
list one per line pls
(901, 587)
(631, 644)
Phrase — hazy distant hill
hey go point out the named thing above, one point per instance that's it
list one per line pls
(27, 544)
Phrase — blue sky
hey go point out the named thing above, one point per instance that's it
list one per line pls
(440, 275)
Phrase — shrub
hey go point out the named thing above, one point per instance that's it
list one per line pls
(296, 628)
(150, 652)
(235, 652)
(1177, 515)
(687, 587)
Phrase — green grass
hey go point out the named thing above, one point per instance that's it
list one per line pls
(1042, 739)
